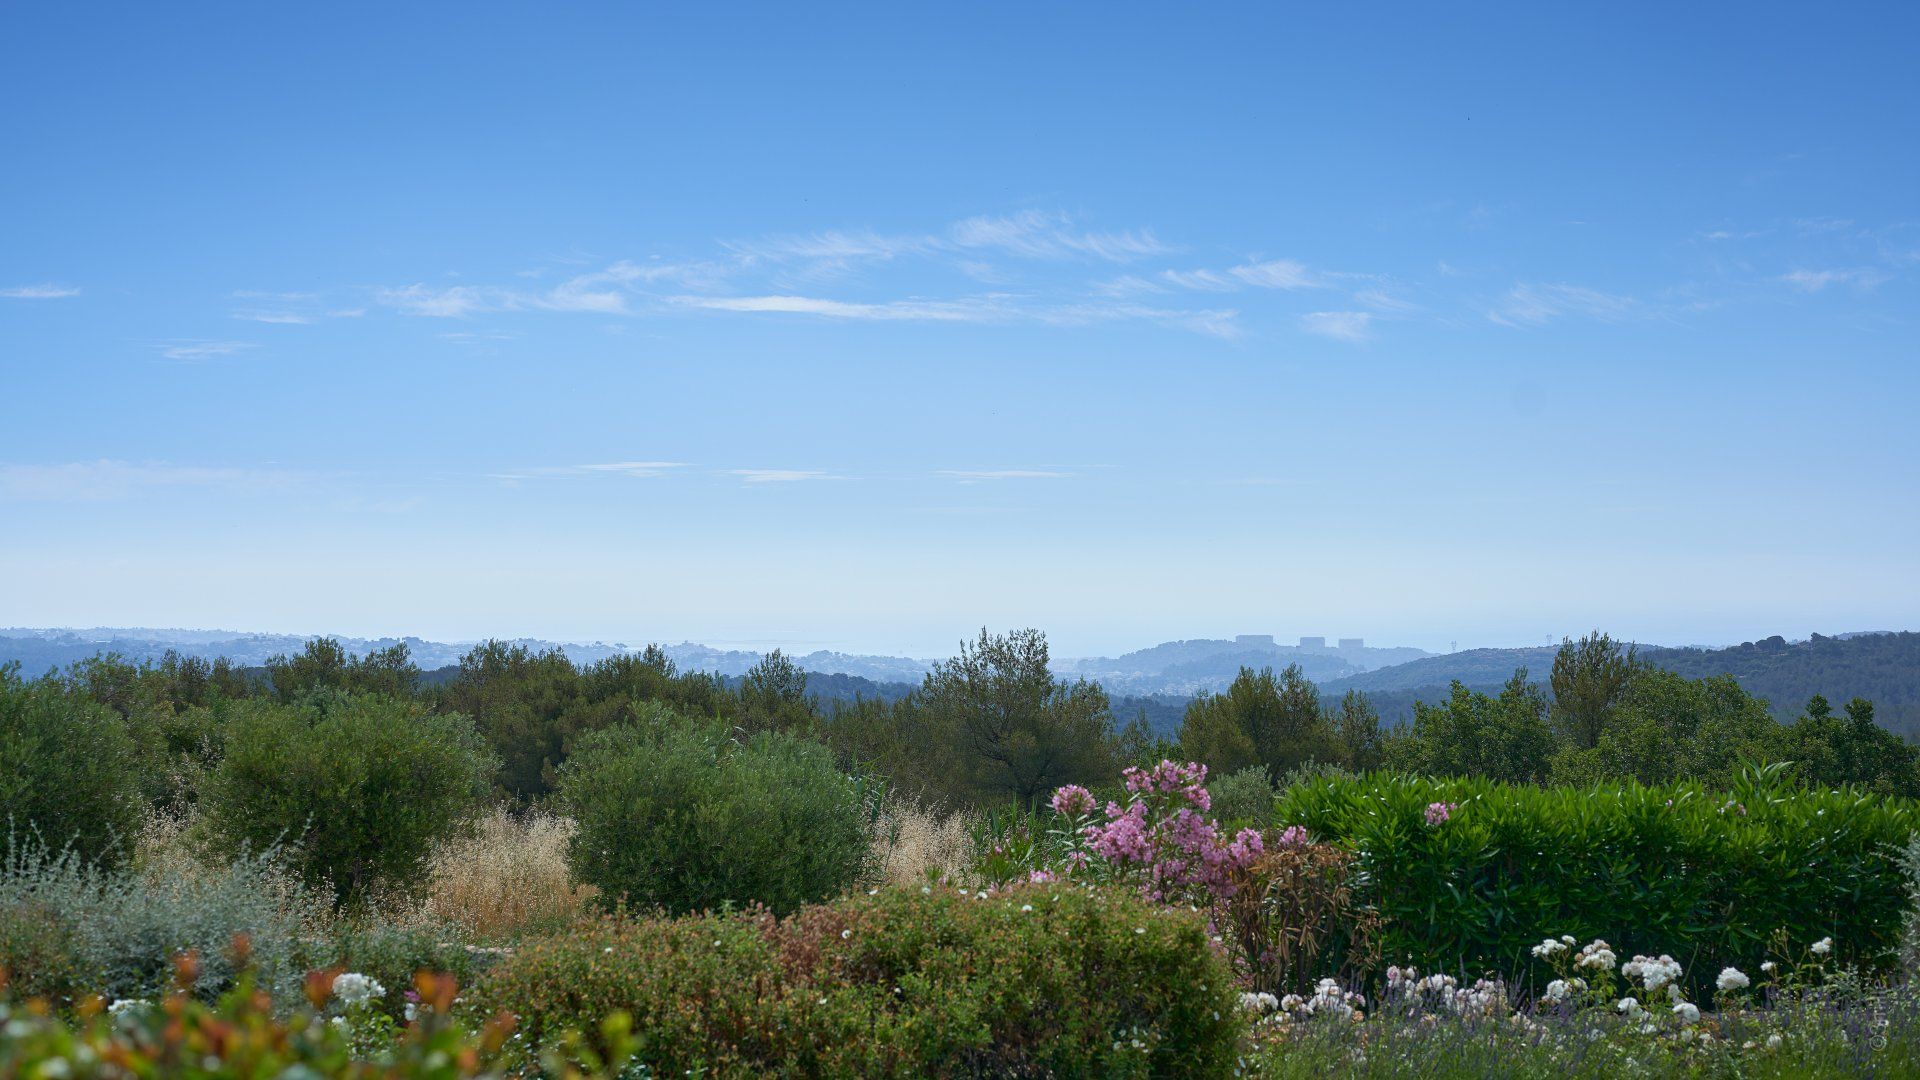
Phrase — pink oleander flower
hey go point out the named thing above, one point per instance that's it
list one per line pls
(1164, 839)
(1292, 836)
(1073, 801)
(1439, 812)
(1041, 877)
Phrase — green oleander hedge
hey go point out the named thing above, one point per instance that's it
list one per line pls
(1708, 877)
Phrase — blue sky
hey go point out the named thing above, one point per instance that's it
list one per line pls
(862, 327)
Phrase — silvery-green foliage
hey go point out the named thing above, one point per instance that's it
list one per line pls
(124, 929)
(1909, 858)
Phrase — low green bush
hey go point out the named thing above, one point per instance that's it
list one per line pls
(70, 775)
(1243, 798)
(686, 816)
(1030, 981)
(1710, 878)
(356, 788)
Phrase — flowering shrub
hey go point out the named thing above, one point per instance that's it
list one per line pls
(1469, 873)
(1161, 840)
(1043, 980)
(1599, 1018)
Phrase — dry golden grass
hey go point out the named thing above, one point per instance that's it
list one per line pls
(913, 843)
(508, 875)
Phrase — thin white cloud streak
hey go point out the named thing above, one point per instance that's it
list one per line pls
(989, 309)
(1530, 304)
(203, 350)
(1384, 302)
(1813, 281)
(1285, 274)
(985, 309)
(1278, 274)
(43, 291)
(643, 469)
(974, 475)
(1036, 235)
(281, 318)
(781, 476)
(603, 292)
(1339, 325)
(90, 481)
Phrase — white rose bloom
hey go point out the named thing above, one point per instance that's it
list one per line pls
(1688, 1012)
(354, 989)
(1823, 946)
(1733, 979)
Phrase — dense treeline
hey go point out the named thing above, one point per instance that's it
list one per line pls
(990, 726)
(1878, 667)
(1605, 714)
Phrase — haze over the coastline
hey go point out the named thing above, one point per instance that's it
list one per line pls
(1508, 325)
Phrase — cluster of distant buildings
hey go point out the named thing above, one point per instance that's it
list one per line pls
(1265, 641)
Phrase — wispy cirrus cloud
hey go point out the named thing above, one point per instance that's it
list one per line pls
(977, 309)
(195, 350)
(1815, 280)
(282, 318)
(782, 476)
(1339, 325)
(1530, 304)
(106, 478)
(980, 309)
(642, 469)
(1036, 234)
(42, 291)
(975, 476)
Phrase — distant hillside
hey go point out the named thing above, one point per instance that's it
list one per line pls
(1884, 668)
(1480, 669)
(1182, 668)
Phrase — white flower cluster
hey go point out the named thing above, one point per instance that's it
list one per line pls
(1259, 1003)
(1327, 1000)
(1598, 956)
(1822, 947)
(1406, 986)
(1561, 989)
(1550, 947)
(1653, 972)
(354, 989)
(1732, 979)
(127, 1006)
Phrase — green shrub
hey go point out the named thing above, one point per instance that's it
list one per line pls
(1243, 798)
(1030, 981)
(356, 787)
(1708, 878)
(69, 772)
(684, 816)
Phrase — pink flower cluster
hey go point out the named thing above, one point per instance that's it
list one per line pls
(1073, 801)
(1292, 836)
(1164, 835)
(1439, 812)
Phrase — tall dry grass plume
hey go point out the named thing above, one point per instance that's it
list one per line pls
(506, 876)
(914, 843)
